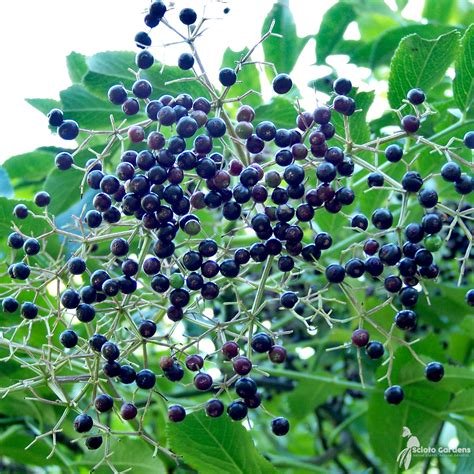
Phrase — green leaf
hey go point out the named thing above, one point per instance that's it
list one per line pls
(401, 4)
(31, 167)
(282, 52)
(6, 188)
(128, 453)
(334, 24)
(420, 63)
(371, 24)
(383, 48)
(76, 66)
(439, 11)
(248, 78)
(358, 126)
(44, 105)
(419, 412)
(280, 111)
(216, 445)
(109, 68)
(86, 108)
(309, 394)
(463, 84)
(462, 403)
(12, 445)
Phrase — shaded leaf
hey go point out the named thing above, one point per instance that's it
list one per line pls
(280, 111)
(420, 63)
(248, 77)
(310, 394)
(282, 52)
(383, 48)
(76, 66)
(440, 11)
(334, 24)
(111, 67)
(216, 445)
(128, 453)
(31, 167)
(6, 188)
(463, 84)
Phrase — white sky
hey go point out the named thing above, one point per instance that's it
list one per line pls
(36, 36)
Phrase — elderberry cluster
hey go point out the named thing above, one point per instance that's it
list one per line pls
(188, 164)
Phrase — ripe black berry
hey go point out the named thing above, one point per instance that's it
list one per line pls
(128, 411)
(394, 395)
(245, 387)
(68, 338)
(227, 77)
(360, 337)
(103, 403)
(42, 199)
(203, 381)
(410, 123)
(280, 426)
(342, 86)
(110, 351)
(10, 305)
(145, 379)
(68, 130)
(214, 408)
(468, 140)
(412, 181)
(405, 319)
(237, 410)
(144, 59)
(83, 423)
(55, 117)
(282, 83)
(374, 350)
(186, 61)
(93, 442)
(176, 413)
(434, 371)
(335, 273)
(242, 365)
(261, 342)
(416, 96)
(187, 16)
(382, 219)
(142, 39)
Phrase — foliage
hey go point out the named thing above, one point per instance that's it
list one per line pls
(339, 422)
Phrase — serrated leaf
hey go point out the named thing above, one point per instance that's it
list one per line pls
(383, 47)
(31, 167)
(12, 445)
(248, 77)
(463, 83)
(308, 395)
(76, 66)
(420, 411)
(417, 412)
(334, 24)
(462, 403)
(6, 188)
(440, 11)
(420, 63)
(280, 111)
(358, 126)
(128, 453)
(282, 52)
(111, 67)
(87, 109)
(44, 105)
(216, 445)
